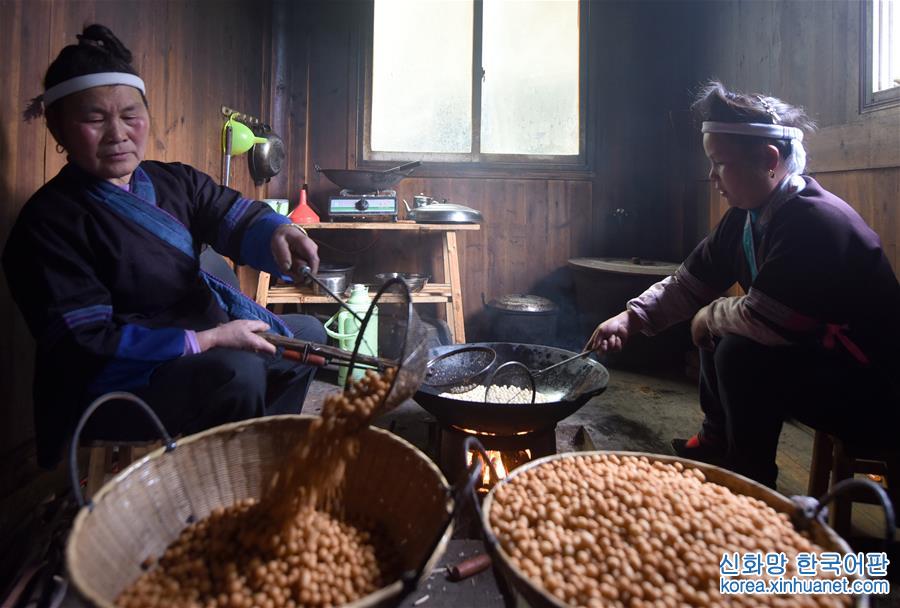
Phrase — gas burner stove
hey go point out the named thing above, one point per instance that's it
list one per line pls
(348, 206)
(350, 193)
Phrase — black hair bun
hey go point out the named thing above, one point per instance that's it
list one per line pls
(101, 37)
(98, 50)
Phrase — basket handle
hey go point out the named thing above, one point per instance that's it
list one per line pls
(460, 492)
(463, 488)
(471, 478)
(811, 509)
(73, 448)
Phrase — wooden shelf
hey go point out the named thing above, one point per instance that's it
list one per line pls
(433, 293)
(398, 225)
(449, 293)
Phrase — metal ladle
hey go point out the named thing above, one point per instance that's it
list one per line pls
(515, 368)
(580, 355)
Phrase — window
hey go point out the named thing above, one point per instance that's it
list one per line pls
(881, 53)
(476, 81)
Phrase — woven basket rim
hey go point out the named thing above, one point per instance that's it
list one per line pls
(84, 588)
(551, 599)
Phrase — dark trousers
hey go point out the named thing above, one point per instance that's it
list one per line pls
(747, 390)
(196, 392)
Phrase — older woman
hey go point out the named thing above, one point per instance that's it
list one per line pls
(103, 263)
(816, 337)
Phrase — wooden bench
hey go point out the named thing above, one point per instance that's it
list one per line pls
(834, 460)
(108, 458)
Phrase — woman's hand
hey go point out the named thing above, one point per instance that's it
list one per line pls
(612, 334)
(238, 334)
(700, 333)
(293, 249)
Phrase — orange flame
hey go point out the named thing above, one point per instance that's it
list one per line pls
(474, 432)
(501, 463)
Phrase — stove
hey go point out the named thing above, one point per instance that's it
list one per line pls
(380, 206)
(506, 452)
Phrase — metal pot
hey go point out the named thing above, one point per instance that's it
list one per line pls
(266, 160)
(335, 276)
(522, 318)
(364, 182)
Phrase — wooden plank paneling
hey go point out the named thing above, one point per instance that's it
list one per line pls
(290, 94)
(811, 58)
(24, 43)
(870, 141)
(875, 194)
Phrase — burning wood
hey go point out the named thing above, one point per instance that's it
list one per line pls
(501, 464)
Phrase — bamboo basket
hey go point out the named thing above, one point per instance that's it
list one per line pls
(137, 514)
(531, 594)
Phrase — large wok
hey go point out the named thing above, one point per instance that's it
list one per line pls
(575, 383)
(363, 182)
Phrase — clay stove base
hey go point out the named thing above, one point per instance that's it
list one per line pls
(453, 459)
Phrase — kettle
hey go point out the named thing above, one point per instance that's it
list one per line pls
(348, 328)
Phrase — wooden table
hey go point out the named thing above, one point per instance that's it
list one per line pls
(448, 293)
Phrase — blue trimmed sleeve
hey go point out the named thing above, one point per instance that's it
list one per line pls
(140, 351)
(256, 247)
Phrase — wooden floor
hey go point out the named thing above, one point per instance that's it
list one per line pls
(641, 413)
(637, 412)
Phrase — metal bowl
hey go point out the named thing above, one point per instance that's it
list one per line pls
(414, 281)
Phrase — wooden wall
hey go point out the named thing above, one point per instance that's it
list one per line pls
(194, 57)
(294, 63)
(532, 226)
(812, 58)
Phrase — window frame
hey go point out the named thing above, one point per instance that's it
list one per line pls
(871, 100)
(474, 163)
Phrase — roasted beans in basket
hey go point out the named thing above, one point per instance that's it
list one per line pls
(294, 546)
(610, 530)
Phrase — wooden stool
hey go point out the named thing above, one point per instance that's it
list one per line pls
(834, 460)
(109, 457)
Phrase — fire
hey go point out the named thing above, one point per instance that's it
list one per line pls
(474, 432)
(501, 463)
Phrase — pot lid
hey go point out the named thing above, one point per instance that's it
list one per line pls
(520, 302)
(444, 213)
(630, 266)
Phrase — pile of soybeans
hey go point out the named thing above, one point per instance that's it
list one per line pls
(610, 530)
(294, 547)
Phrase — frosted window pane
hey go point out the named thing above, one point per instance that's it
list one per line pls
(529, 100)
(422, 76)
(885, 45)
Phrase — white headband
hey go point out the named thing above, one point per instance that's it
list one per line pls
(756, 129)
(89, 81)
